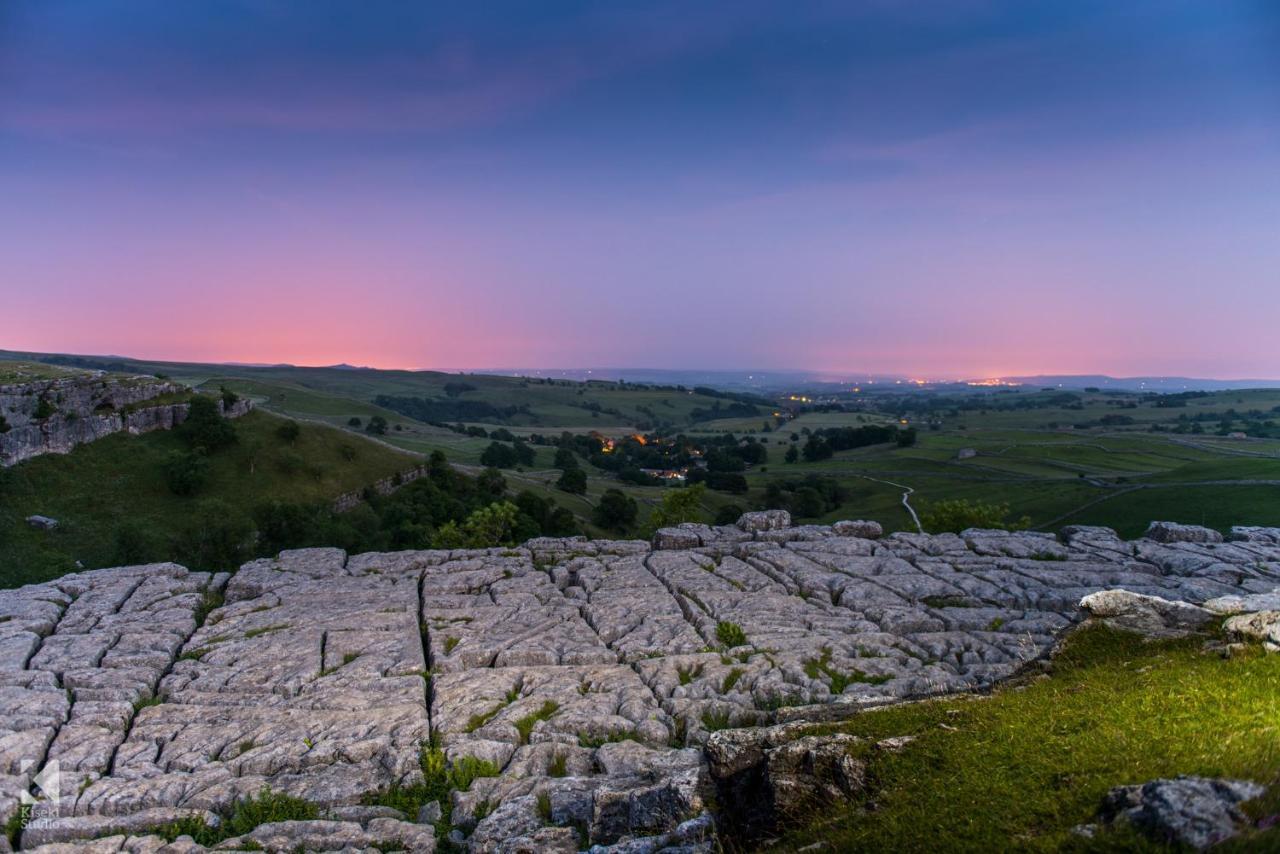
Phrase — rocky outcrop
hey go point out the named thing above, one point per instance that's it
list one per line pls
(591, 675)
(1171, 532)
(1150, 615)
(778, 774)
(55, 416)
(1191, 811)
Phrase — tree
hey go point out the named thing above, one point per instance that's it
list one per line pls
(499, 455)
(455, 389)
(44, 409)
(616, 510)
(792, 455)
(186, 473)
(205, 427)
(229, 397)
(485, 528)
(633, 475)
(727, 482)
(289, 431)
(492, 483)
(216, 538)
(906, 438)
(573, 481)
(354, 421)
(955, 515)
(817, 448)
(565, 458)
(678, 507)
(377, 426)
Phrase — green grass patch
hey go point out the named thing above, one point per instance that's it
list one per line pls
(525, 725)
(817, 668)
(1020, 769)
(440, 779)
(267, 806)
(594, 741)
(730, 634)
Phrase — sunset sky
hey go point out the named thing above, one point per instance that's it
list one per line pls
(966, 188)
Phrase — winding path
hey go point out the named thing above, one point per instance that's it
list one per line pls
(906, 495)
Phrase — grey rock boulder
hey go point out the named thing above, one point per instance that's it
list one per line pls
(858, 528)
(1192, 811)
(1172, 532)
(1261, 626)
(1245, 604)
(42, 523)
(1150, 615)
(764, 520)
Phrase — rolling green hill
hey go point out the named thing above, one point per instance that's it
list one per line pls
(114, 505)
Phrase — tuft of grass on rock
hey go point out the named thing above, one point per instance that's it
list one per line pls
(690, 673)
(731, 679)
(1020, 769)
(267, 806)
(525, 725)
(730, 634)
(816, 668)
(716, 720)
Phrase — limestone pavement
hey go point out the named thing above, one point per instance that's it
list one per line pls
(588, 673)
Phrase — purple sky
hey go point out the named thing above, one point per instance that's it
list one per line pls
(945, 189)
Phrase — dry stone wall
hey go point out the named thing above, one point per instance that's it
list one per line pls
(590, 673)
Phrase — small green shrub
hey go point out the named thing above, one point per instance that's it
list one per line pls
(716, 720)
(730, 634)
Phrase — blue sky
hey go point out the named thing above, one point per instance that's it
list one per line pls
(946, 189)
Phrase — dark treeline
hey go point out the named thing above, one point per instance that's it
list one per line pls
(452, 409)
(821, 444)
(445, 509)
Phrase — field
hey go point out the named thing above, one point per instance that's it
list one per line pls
(1057, 462)
(117, 484)
(1123, 480)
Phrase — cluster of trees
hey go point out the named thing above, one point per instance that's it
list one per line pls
(204, 432)
(434, 411)
(806, 498)
(505, 456)
(822, 444)
(445, 509)
(572, 478)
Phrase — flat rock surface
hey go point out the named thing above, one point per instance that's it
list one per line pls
(589, 672)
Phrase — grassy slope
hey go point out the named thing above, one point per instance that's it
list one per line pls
(1020, 769)
(99, 486)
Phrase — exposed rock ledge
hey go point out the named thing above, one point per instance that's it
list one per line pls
(87, 408)
(590, 672)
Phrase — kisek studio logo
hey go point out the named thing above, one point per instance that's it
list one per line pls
(45, 792)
